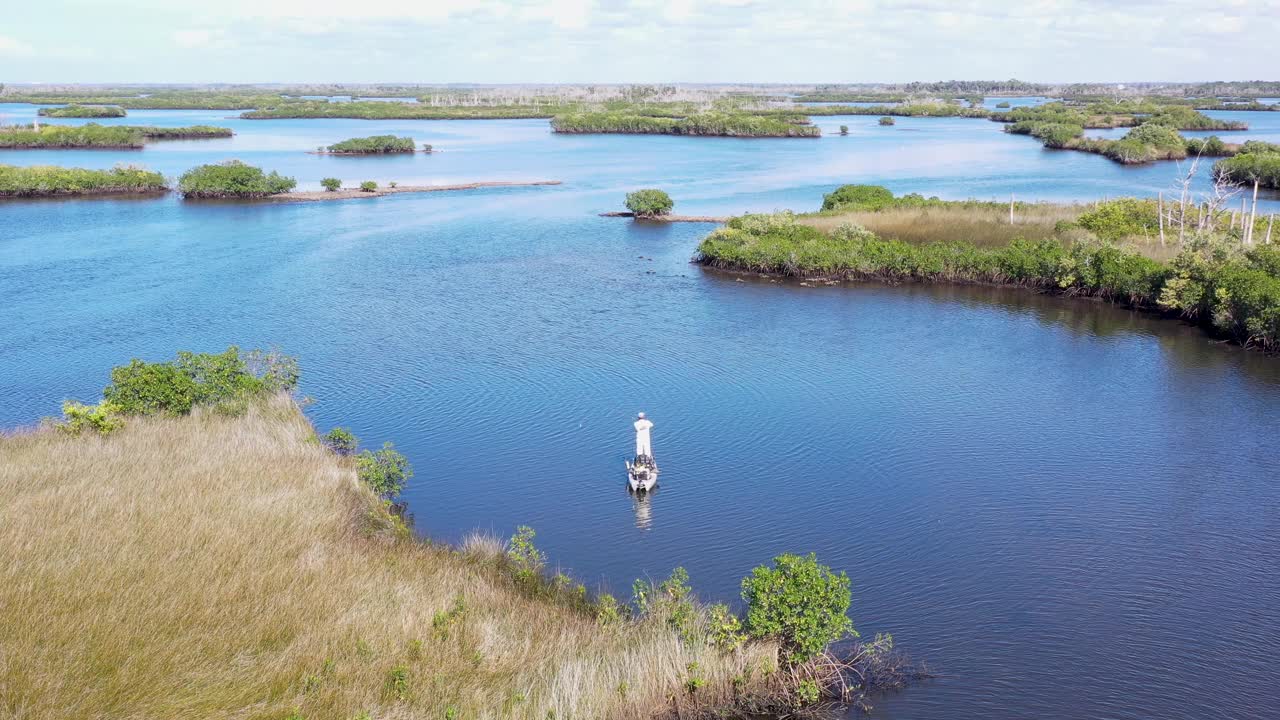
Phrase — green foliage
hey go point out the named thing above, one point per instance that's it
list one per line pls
(368, 186)
(1002, 104)
(385, 471)
(232, 179)
(808, 692)
(103, 418)
(75, 110)
(858, 197)
(331, 184)
(649, 202)
(341, 441)
(724, 629)
(397, 685)
(426, 148)
(800, 603)
(693, 682)
(42, 180)
(526, 559)
(174, 388)
(608, 610)
(1211, 146)
(1121, 218)
(374, 145)
(1264, 167)
(886, 120)
(844, 129)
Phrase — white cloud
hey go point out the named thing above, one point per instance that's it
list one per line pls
(12, 47)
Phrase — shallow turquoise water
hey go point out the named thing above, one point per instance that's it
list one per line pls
(1067, 509)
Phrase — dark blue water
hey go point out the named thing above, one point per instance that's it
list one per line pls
(1069, 510)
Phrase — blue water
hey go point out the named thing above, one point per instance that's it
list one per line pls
(1067, 509)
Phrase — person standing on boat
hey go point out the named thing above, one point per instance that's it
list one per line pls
(642, 425)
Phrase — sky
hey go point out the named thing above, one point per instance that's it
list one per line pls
(673, 41)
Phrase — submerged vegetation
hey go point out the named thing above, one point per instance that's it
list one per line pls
(232, 179)
(303, 594)
(40, 181)
(83, 111)
(373, 145)
(1222, 274)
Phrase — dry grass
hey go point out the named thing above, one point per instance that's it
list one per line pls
(981, 225)
(214, 567)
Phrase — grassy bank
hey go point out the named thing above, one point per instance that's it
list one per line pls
(1107, 251)
(704, 124)
(46, 181)
(191, 548)
(83, 111)
(262, 581)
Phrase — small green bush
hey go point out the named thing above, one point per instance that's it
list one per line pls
(844, 129)
(886, 120)
(1002, 105)
(368, 186)
(426, 148)
(174, 388)
(341, 441)
(331, 184)
(102, 418)
(385, 471)
(649, 202)
(800, 603)
(1120, 218)
(526, 559)
(858, 197)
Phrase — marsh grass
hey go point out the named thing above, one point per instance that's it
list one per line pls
(978, 223)
(232, 567)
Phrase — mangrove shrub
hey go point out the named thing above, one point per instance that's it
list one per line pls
(175, 387)
(368, 186)
(49, 180)
(1264, 167)
(649, 202)
(803, 604)
(858, 197)
(385, 471)
(331, 184)
(374, 145)
(232, 179)
(886, 120)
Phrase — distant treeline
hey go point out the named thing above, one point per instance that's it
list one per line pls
(83, 111)
(706, 124)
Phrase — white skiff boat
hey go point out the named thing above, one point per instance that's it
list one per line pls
(642, 473)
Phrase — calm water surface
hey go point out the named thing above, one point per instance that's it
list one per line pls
(1068, 510)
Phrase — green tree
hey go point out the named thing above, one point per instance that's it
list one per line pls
(858, 197)
(649, 202)
(800, 603)
(331, 184)
(886, 120)
(368, 186)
